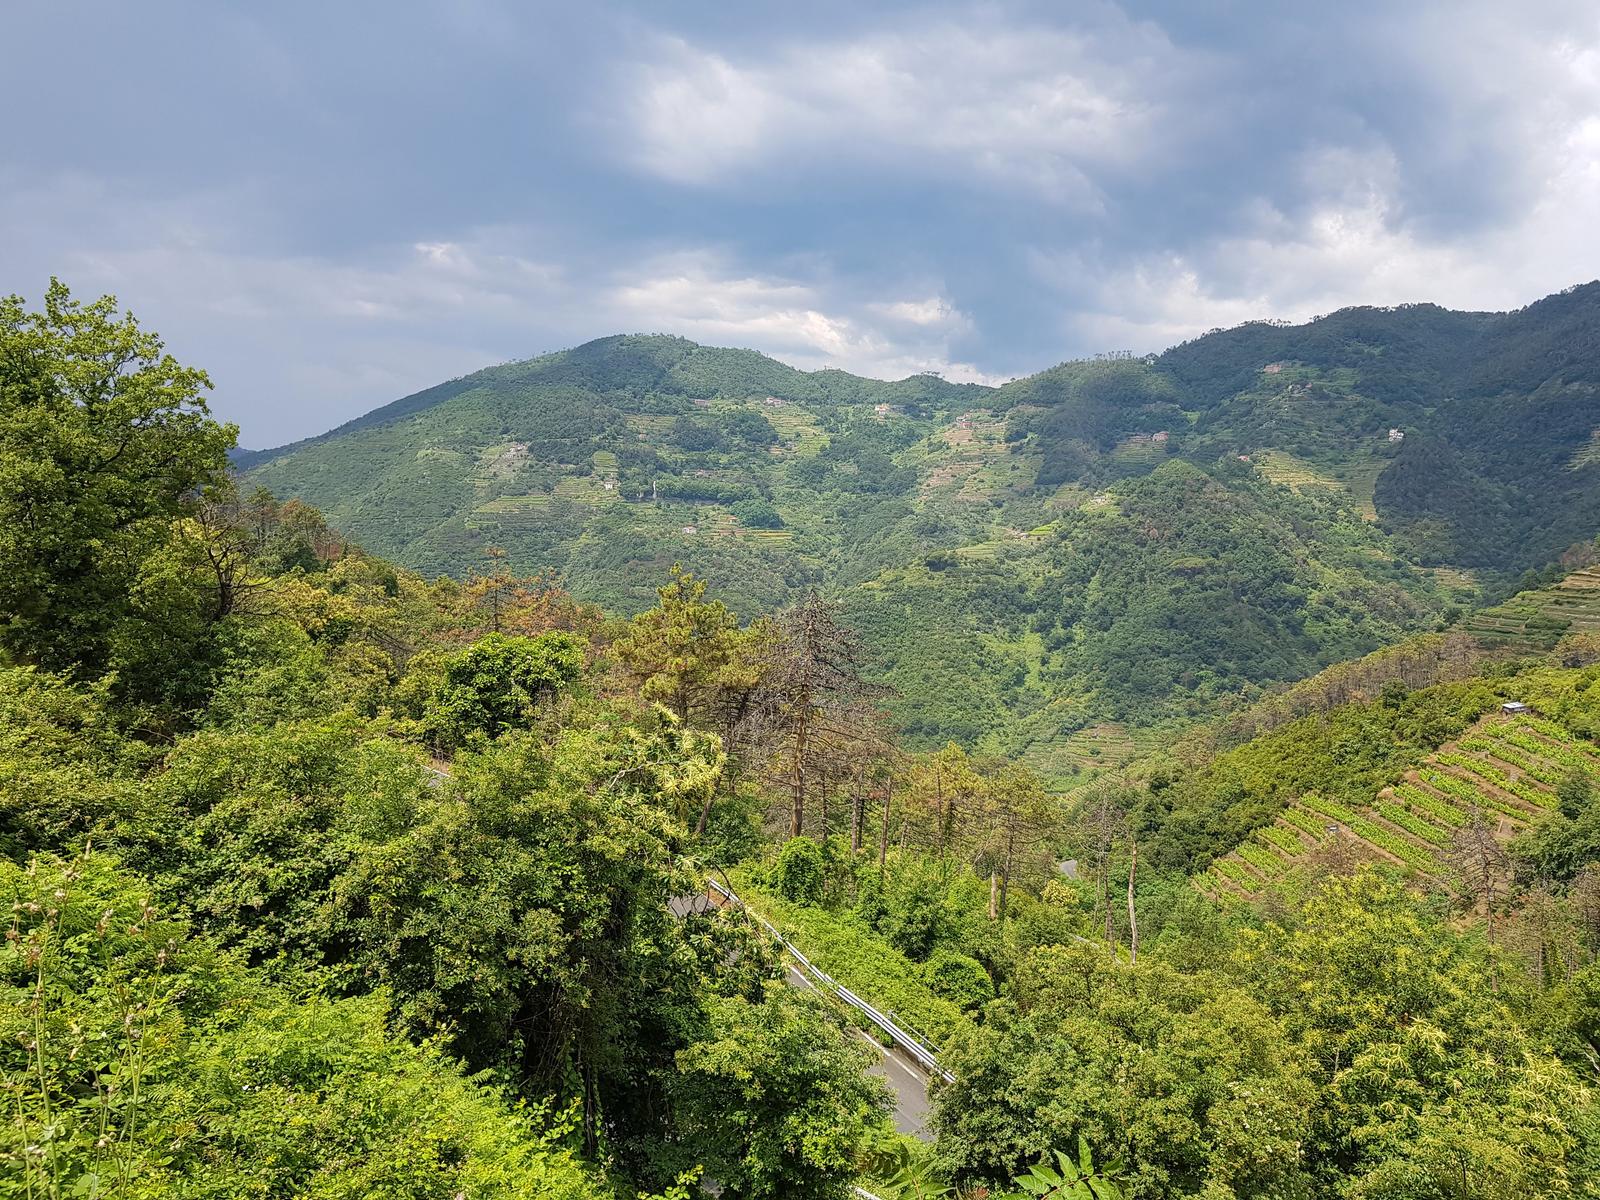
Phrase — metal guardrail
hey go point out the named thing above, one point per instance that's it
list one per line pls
(922, 1053)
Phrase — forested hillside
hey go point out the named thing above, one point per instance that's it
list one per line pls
(330, 879)
(1078, 558)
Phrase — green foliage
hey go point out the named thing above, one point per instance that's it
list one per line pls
(775, 1102)
(140, 1062)
(688, 652)
(67, 774)
(1056, 1175)
(798, 874)
(105, 445)
(1189, 1080)
(858, 957)
(537, 874)
(498, 682)
(757, 514)
(958, 979)
(1388, 1006)
(1574, 791)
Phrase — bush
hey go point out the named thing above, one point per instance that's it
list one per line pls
(959, 979)
(495, 683)
(798, 875)
(1574, 792)
(757, 514)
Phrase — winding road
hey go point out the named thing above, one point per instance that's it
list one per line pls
(905, 1065)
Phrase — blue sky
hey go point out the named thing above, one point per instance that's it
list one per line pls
(332, 205)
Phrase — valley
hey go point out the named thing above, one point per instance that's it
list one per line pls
(969, 531)
(958, 600)
(1089, 754)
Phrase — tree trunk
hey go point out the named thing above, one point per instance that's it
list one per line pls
(1105, 888)
(1005, 866)
(857, 803)
(705, 813)
(1133, 917)
(797, 780)
(883, 838)
(994, 896)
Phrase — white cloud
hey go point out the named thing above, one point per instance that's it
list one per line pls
(700, 297)
(1358, 248)
(1035, 108)
(297, 343)
(1353, 227)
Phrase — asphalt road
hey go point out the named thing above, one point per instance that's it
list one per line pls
(905, 1079)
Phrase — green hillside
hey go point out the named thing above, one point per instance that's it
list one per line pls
(1506, 769)
(1127, 540)
(328, 879)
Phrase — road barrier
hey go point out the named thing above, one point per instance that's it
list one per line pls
(920, 1052)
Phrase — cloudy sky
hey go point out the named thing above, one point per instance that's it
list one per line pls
(332, 205)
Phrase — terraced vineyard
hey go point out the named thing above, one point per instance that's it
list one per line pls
(1504, 769)
(1537, 619)
(961, 459)
(1355, 478)
(1076, 758)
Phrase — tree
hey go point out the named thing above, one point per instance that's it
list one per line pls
(525, 918)
(1098, 828)
(678, 651)
(105, 443)
(1480, 863)
(797, 876)
(1019, 814)
(496, 683)
(1187, 1079)
(1429, 1084)
(139, 1061)
(1575, 790)
(944, 797)
(816, 681)
(774, 1099)
(757, 514)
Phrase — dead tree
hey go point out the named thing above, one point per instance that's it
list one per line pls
(1480, 862)
(816, 690)
(1101, 821)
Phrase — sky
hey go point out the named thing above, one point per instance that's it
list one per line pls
(329, 206)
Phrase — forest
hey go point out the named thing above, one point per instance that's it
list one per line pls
(1089, 558)
(328, 878)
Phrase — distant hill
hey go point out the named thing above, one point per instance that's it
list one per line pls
(1105, 546)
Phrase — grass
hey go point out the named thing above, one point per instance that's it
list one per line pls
(858, 958)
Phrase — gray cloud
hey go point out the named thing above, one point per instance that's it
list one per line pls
(329, 207)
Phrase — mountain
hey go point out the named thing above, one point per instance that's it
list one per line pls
(1059, 563)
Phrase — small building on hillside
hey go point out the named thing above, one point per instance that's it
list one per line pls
(1159, 435)
(1272, 368)
(1397, 435)
(773, 402)
(1513, 707)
